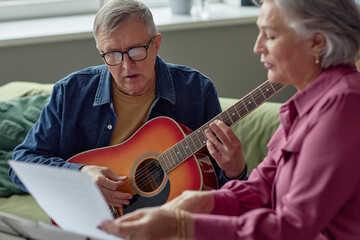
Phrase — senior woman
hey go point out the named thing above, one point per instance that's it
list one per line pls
(308, 186)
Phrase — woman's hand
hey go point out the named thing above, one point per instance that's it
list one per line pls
(108, 183)
(224, 146)
(192, 201)
(146, 223)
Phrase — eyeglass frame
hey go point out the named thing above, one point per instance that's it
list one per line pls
(127, 53)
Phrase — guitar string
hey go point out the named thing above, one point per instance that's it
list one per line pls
(254, 96)
(142, 176)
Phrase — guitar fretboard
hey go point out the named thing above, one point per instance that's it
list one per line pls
(197, 139)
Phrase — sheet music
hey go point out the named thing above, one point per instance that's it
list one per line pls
(14, 227)
(69, 197)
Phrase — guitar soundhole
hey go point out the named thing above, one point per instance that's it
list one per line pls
(149, 175)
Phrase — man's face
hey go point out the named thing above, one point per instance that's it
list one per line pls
(133, 78)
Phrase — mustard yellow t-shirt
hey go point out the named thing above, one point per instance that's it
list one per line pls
(131, 112)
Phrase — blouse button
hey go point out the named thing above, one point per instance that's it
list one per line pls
(109, 127)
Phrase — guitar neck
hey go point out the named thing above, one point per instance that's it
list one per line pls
(197, 139)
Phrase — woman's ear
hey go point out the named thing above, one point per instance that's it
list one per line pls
(318, 43)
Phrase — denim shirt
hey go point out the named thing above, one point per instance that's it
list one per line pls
(80, 114)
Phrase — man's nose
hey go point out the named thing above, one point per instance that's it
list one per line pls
(126, 61)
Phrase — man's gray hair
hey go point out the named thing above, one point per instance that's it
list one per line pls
(116, 12)
(338, 20)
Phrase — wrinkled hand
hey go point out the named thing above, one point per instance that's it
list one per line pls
(145, 224)
(192, 201)
(108, 183)
(224, 146)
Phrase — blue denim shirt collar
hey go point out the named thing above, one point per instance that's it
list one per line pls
(103, 93)
(164, 84)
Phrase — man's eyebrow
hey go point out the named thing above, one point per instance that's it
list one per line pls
(118, 50)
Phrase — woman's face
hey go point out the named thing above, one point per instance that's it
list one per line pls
(289, 59)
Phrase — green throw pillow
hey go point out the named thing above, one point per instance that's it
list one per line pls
(17, 116)
(255, 130)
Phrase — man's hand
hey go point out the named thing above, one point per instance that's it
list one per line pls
(108, 183)
(225, 148)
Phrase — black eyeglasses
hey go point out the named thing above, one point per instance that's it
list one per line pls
(135, 54)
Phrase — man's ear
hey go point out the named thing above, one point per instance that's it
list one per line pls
(97, 47)
(318, 43)
(157, 42)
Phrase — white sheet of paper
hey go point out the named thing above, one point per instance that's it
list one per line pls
(69, 197)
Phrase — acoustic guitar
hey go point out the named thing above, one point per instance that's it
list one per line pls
(164, 158)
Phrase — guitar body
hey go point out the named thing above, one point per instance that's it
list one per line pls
(137, 158)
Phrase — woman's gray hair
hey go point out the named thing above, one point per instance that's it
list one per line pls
(338, 20)
(116, 12)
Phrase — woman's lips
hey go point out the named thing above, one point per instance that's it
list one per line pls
(267, 65)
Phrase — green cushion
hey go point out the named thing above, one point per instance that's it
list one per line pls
(23, 206)
(17, 116)
(255, 130)
(19, 89)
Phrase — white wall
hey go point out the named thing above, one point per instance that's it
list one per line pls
(222, 53)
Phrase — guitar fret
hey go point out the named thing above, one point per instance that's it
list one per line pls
(250, 103)
(242, 108)
(185, 147)
(272, 86)
(166, 167)
(229, 123)
(245, 105)
(267, 89)
(173, 158)
(193, 143)
(190, 145)
(201, 136)
(238, 114)
(162, 160)
(222, 117)
(257, 96)
(183, 151)
(262, 93)
(250, 94)
(178, 154)
(277, 86)
(234, 115)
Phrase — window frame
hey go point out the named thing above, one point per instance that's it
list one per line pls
(17, 10)
(11, 10)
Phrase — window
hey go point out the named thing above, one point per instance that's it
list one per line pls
(22, 9)
(25, 9)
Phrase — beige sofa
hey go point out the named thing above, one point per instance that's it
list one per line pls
(21, 104)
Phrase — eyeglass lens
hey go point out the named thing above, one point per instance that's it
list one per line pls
(135, 54)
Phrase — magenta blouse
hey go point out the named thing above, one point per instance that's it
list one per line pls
(308, 186)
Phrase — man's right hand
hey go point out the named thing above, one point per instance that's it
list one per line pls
(108, 183)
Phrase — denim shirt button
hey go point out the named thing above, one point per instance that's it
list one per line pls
(109, 127)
